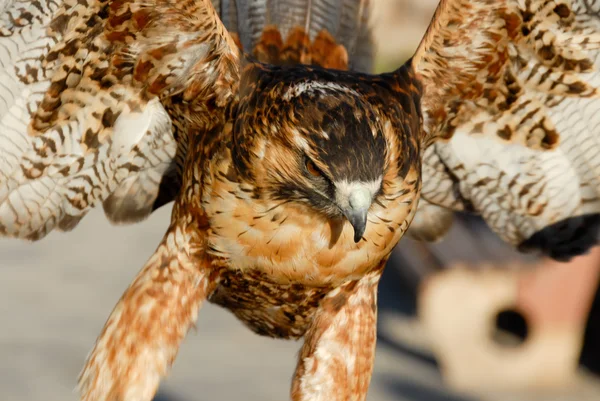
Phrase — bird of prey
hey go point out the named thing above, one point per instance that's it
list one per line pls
(293, 171)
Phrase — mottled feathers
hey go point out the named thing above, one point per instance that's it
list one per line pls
(86, 86)
(511, 113)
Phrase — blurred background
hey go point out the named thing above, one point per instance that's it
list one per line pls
(56, 294)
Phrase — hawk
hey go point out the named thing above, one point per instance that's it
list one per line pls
(293, 171)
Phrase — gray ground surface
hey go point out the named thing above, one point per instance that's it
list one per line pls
(56, 294)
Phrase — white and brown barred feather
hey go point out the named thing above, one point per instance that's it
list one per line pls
(85, 85)
(511, 109)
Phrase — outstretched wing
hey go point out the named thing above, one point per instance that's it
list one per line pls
(511, 118)
(91, 95)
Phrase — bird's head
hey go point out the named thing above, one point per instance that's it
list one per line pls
(315, 141)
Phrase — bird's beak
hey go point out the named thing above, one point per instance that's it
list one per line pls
(356, 211)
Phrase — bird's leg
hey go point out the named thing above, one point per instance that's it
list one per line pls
(142, 335)
(336, 361)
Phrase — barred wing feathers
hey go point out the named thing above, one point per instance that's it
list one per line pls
(84, 87)
(511, 118)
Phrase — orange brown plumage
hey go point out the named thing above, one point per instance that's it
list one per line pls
(297, 48)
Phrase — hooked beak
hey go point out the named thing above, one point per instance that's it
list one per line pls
(359, 202)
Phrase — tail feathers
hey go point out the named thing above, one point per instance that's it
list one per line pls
(347, 21)
(299, 49)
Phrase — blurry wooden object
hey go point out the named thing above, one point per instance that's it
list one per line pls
(459, 307)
